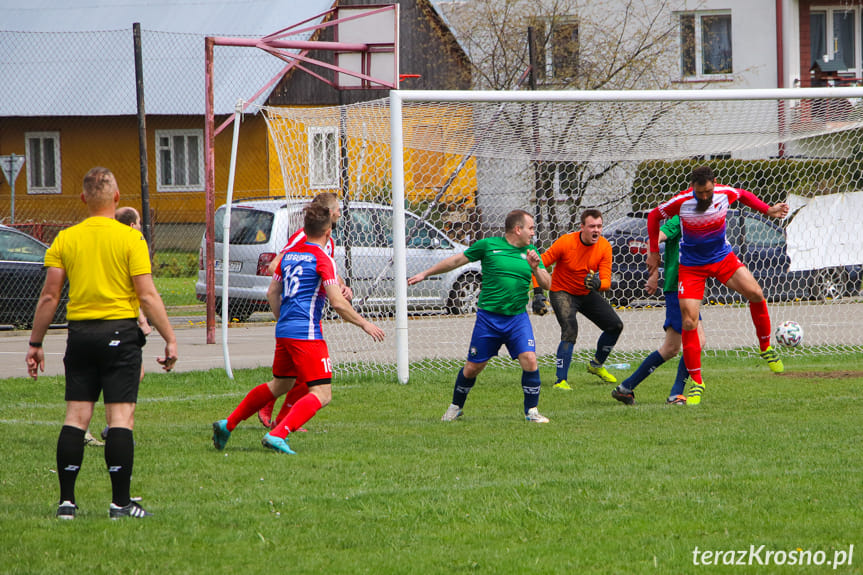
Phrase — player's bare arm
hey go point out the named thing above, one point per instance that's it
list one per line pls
(652, 283)
(779, 210)
(274, 297)
(346, 311)
(49, 299)
(154, 309)
(543, 278)
(442, 267)
(347, 292)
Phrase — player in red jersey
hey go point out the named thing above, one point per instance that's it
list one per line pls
(297, 293)
(331, 201)
(705, 252)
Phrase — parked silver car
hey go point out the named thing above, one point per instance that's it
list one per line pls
(260, 228)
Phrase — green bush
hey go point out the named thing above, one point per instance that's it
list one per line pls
(771, 180)
(175, 264)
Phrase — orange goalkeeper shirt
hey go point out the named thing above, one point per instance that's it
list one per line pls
(572, 261)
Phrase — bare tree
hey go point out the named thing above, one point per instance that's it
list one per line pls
(579, 45)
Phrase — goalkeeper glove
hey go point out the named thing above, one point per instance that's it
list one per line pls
(592, 281)
(539, 302)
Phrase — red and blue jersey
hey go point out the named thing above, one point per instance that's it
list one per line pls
(703, 238)
(304, 271)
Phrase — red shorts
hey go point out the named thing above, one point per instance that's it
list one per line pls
(306, 359)
(690, 280)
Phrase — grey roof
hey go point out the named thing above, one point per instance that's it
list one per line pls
(77, 59)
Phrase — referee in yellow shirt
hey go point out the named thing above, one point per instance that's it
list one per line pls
(108, 267)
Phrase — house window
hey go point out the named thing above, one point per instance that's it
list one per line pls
(323, 158)
(179, 160)
(556, 50)
(705, 44)
(833, 39)
(43, 162)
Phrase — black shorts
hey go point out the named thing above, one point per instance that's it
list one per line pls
(103, 356)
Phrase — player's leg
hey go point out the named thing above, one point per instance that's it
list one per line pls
(521, 345)
(485, 341)
(314, 367)
(120, 380)
(675, 396)
(565, 306)
(625, 392)
(265, 414)
(299, 390)
(743, 282)
(597, 309)
(70, 454)
(82, 392)
(464, 382)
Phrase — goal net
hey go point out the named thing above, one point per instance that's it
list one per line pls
(468, 158)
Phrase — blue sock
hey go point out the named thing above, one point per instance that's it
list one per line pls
(530, 385)
(605, 344)
(564, 358)
(650, 363)
(679, 379)
(463, 386)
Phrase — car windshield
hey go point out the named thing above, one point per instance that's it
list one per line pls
(20, 248)
(626, 226)
(248, 227)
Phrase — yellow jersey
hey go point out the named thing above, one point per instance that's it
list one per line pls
(100, 256)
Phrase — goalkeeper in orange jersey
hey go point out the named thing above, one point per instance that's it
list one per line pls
(582, 269)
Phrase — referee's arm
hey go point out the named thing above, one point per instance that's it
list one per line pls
(154, 309)
(49, 299)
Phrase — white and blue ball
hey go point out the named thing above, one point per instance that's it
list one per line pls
(789, 333)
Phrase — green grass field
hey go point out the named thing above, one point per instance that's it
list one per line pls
(381, 485)
(177, 291)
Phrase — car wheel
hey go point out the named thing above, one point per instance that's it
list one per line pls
(239, 311)
(830, 283)
(464, 295)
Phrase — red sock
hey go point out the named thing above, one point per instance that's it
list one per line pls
(761, 319)
(303, 410)
(692, 354)
(254, 400)
(294, 395)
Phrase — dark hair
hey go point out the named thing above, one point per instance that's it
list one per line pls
(701, 175)
(126, 215)
(316, 220)
(590, 213)
(515, 218)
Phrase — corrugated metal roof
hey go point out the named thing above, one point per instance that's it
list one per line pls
(53, 64)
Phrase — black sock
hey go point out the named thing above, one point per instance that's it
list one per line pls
(119, 457)
(70, 455)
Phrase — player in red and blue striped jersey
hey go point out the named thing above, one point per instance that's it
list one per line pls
(297, 293)
(705, 252)
(331, 201)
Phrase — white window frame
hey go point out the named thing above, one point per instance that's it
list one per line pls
(30, 164)
(548, 45)
(323, 170)
(171, 134)
(699, 56)
(829, 12)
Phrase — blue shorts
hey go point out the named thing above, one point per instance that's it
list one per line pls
(673, 317)
(492, 330)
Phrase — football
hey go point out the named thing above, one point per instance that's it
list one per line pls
(789, 333)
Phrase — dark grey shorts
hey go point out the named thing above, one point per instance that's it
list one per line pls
(593, 306)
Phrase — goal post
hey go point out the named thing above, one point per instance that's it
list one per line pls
(449, 165)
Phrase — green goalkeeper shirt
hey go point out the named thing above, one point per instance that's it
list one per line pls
(671, 229)
(506, 275)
